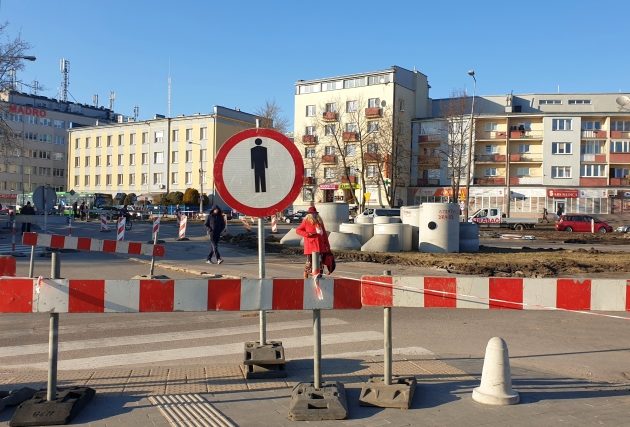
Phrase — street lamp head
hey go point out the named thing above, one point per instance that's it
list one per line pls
(28, 57)
(471, 73)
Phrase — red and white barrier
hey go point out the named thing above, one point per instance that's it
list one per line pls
(274, 224)
(182, 226)
(104, 225)
(156, 227)
(496, 293)
(56, 241)
(26, 295)
(120, 228)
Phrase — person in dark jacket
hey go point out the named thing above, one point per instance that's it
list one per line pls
(215, 224)
(27, 210)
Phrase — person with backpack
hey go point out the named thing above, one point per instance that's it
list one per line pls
(215, 224)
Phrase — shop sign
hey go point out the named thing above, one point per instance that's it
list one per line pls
(9, 196)
(348, 186)
(562, 193)
(29, 111)
(328, 186)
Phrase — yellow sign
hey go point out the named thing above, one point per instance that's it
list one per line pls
(348, 186)
(367, 195)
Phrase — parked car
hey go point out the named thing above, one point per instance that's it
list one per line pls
(296, 217)
(372, 212)
(623, 229)
(582, 223)
(111, 212)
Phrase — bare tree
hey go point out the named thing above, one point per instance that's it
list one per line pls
(272, 113)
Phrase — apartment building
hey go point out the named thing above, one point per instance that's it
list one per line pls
(533, 151)
(35, 145)
(355, 131)
(153, 156)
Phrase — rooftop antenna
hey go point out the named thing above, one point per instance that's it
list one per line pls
(13, 78)
(136, 111)
(169, 89)
(95, 100)
(558, 88)
(35, 87)
(64, 66)
(112, 98)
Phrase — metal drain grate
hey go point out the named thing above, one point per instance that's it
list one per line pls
(190, 410)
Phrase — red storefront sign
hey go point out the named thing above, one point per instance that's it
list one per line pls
(328, 186)
(8, 196)
(562, 194)
(29, 111)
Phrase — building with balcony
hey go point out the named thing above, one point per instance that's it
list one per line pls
(533, 151)
(354, 132)
(35, 141)
(152, 156)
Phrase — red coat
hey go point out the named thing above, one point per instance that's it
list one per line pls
(316, 243)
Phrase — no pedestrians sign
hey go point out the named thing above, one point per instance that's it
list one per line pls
(259, 172)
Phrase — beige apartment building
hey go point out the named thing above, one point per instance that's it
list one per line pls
(152, 156)
(533, 152)
(354, 132)
(35, 145)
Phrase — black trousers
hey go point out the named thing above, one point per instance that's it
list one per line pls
(214, 250)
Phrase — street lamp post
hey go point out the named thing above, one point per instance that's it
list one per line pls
(200, 177)
(471, 73)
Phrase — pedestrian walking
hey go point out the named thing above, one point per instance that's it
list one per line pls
(27, 210)
(560, 211)
(82, 211)
(75, 209)
(545, 218)
(178, 214)
(215, 224)
(315, 237)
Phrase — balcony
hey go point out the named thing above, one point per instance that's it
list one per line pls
(350, 136)
(490, 181)
(594, 134)
(309, 139)
(329, 116)
(617, 134)
(525, 134)
(373, 113)
(428, 182)
(494, 134)
(430, 138)
(371, 157)
(593, 158)
(525, 180)
(309, 180)
(490, 158)
(329, 159)
(429, 161)
(352, 179)
(620, 181)
(619, 157)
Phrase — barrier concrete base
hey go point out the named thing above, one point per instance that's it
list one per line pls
(15, 397)
(264, 361)
(317, 404)
(183, 239)
(398, 394)
(154, 277)
(40, 412)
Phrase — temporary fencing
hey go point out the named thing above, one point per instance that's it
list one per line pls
(57, 241)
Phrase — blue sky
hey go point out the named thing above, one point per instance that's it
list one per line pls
(239, 54)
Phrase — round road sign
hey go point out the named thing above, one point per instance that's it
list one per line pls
(258, 172)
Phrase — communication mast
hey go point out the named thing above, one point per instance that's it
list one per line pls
(95, 100)
(136, 111)
(112, 98)
(64, 65)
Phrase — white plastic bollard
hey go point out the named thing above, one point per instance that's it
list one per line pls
(156, 228)
(182, 227)
(496, 376)
(104, 226)
(120, 235)
(274, 224)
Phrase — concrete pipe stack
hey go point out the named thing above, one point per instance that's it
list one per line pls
(439, 228)
(364, 232)
(403, 231)
(468, 237)
(333, 214)
(411, 215)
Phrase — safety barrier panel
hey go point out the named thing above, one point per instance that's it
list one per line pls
(57, 241)
(26, 295)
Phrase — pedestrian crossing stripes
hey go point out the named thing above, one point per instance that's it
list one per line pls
(20, 250)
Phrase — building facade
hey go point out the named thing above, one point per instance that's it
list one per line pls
(153, 156)
(35, 144)
(533, 152)
(354, 132)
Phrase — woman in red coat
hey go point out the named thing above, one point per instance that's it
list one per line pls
(315, 237)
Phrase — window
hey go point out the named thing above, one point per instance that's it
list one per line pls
(330, 129)
(560, 148)
(132, 138)
(522, 171)
(308, 172)
(331, 107)
(492, 149)
(188, 178)
(620, 147)
(175, 135)
(490, 172)
(620, 125)
(401, 105)
(77, 162)
(132, 159)
(312, 88)
(373, 102)
(108, 179)
(352, 83)
(371, 171)
(352, 106)
(549, 102)
(109, 160)
(189, 134)
(351, 150)
(87, 142)
(86, 180)
(352, 127)
(87, 161)
(372, 126)
(120, 160)
(158, 136)
(145, 158)
(372, 148)
(326, 86)
(120, 139)
(188, 156)
(76, 143)
(310, 111)
(203, 154)
(374, 80)
(132, 179)
(145, 137)
(307, 194)
(593, 170)
(97, 180)
(174, 156)
(157, 178)
(329, 173)
(173, 177)
(144, 178)
(158, 157)
(203, 133)
(523, 148)
(561, 124)
(329, 150)
(490, 126)
(309, 152)
(98, 142)
(618, 172)
(76, 180)
(592, 147)
(109, 140)
(591, 125)
(97, 161)
(119, 179)
(561, 171)
(579, 101)
(309, 130)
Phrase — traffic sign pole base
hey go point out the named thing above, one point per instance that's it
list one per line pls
(398, 394)
(183, 239)
(318, 404)
(264, 361)
(40, 412)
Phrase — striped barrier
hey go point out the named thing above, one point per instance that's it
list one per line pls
(56, 241)
(182, 227)
(496, 293)
(28, 295)
(120, 228)
(104, 225)
(156, 227)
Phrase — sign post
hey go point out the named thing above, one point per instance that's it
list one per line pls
(253, 174)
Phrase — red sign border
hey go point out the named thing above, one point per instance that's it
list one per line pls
(250, 133)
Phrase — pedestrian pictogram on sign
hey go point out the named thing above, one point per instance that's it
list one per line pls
(258, 172)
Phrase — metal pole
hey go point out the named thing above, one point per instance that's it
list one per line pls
(317, 332)
(31, 265)
(153, 256)
(55, 267)
(53, 337)
(261, 275)
(387, 324)
(470, 147)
